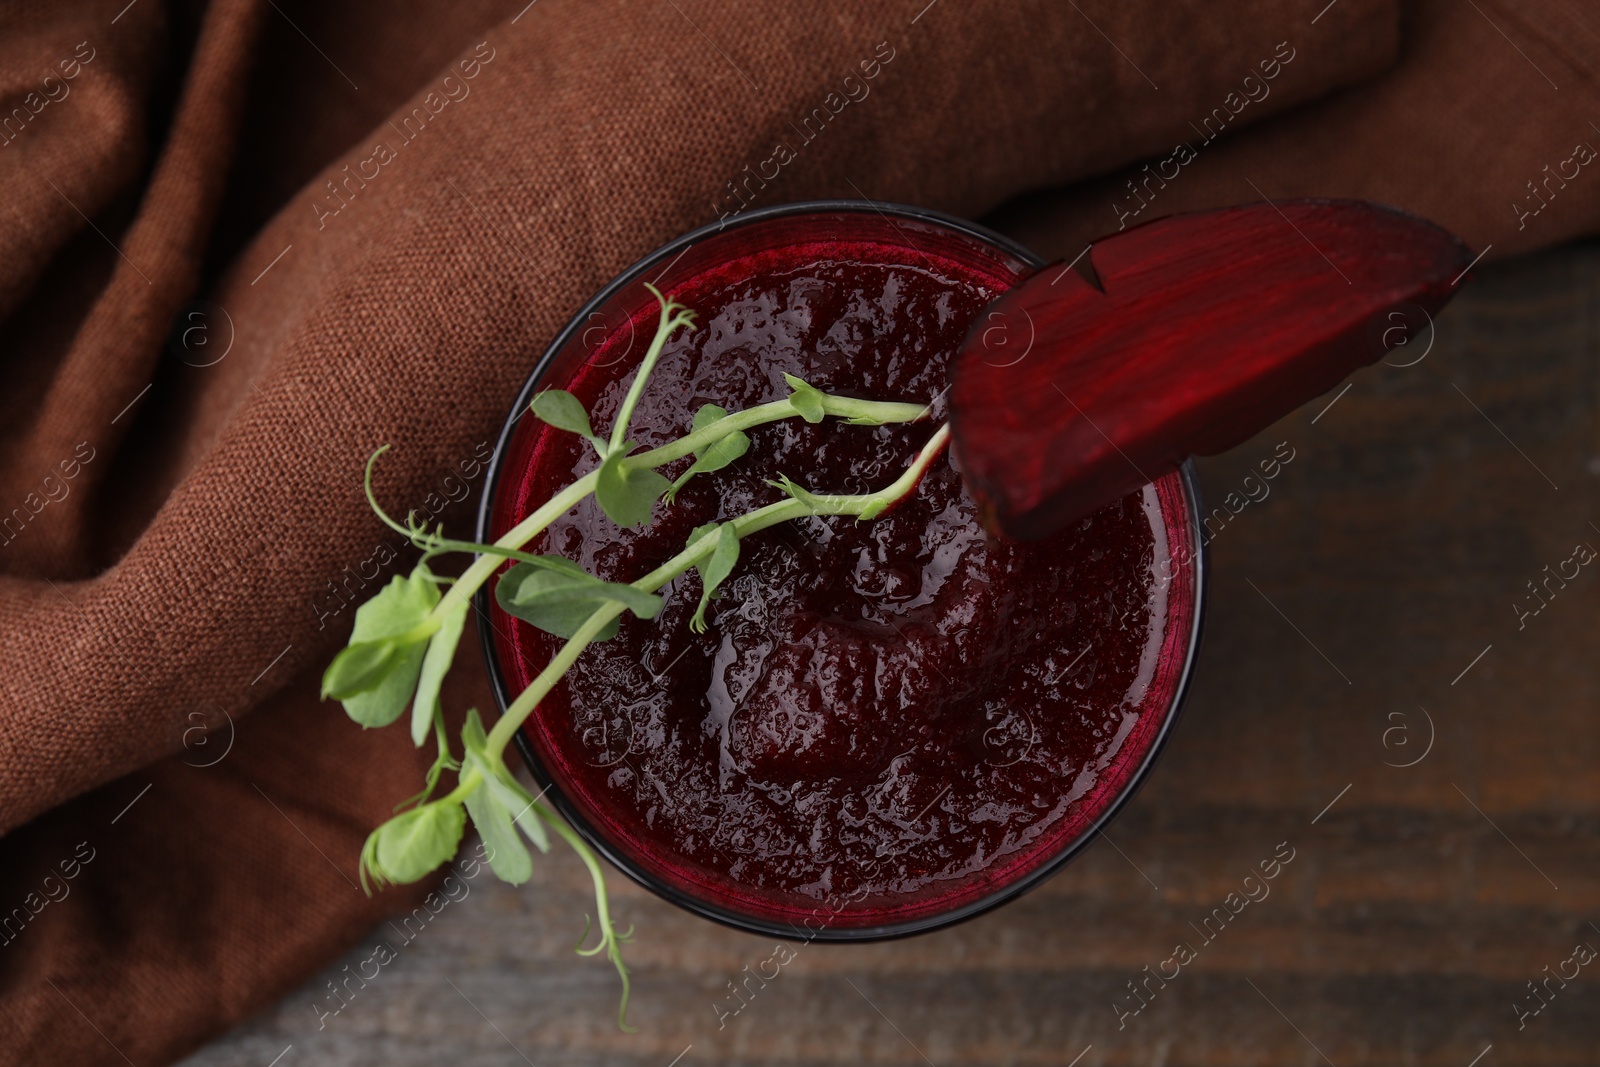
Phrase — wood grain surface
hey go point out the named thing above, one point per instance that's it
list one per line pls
(1378, 577)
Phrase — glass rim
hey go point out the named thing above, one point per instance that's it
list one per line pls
(482, 604)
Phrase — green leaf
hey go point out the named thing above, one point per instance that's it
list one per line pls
(707, 414)
(558, 596)
(508, 857)
(473, 736)
(555, 580)
(715, 570)
(359, 668)
(717, 454)
(499, 781)
(441, 652)
(399, 607)
(720, 453)
(564, 411)
(521, 806)
(627, 494)
(411, 844)
(552, 563)
(807, 400)
(399, 615)
(386, 702)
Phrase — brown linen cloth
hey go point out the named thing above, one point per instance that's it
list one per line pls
(182, 534)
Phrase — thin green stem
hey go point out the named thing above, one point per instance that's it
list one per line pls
(602, 905)
(672, 316)
(845, 407)
(442, 761)
(870, 412)
(712, 432)
(874, 502)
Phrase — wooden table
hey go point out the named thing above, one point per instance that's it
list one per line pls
(1365, 610)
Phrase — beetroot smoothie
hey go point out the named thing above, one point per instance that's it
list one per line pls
(886, 722)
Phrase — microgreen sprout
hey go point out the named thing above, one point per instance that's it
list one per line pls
(405, 637)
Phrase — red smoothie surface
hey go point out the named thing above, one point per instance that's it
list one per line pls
(886, 720)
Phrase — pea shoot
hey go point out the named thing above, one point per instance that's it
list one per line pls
(405, 636)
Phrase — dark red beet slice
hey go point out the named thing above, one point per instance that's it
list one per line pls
(1210, 327)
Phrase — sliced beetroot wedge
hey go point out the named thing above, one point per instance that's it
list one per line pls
(1205, 329)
